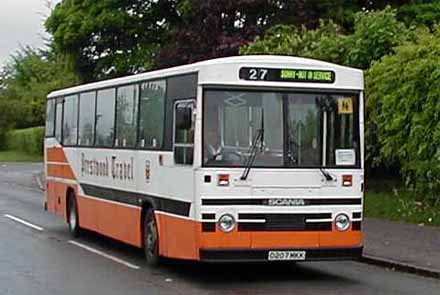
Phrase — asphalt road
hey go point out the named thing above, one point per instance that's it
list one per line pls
(46, 260)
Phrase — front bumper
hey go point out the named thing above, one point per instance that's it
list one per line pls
(260, 255)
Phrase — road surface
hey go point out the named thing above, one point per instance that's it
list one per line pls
(38, 256)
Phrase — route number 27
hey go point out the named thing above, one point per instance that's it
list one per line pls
(258, 74)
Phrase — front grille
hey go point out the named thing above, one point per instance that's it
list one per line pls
(284, 222)
(356, 226)
(357, 215)
(208, 226)
(265, 202)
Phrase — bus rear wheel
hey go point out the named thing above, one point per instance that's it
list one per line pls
(72, 216)
(151, 239)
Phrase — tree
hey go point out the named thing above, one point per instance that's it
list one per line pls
(289, 40)
(375, 35)
(403, 103)
(425, 13)
(110, 38)
(7, 119)
(113, 38)
(27, 80)
(210, 28)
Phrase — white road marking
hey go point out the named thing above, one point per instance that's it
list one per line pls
(108, 256)
(24, 222)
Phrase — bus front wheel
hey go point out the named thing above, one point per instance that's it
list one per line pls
(72, 216)
(151, 239)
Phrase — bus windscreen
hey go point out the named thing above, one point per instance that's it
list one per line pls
(303, 130)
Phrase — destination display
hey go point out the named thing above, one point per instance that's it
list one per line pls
(287, 75)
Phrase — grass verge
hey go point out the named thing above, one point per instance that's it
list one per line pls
(19, 156)
(402, 206)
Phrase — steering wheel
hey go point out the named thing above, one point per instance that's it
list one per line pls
(293, 151)
(230, 155)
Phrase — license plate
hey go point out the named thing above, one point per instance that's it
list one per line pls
(286, 255)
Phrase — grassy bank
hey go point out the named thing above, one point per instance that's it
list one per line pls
(401, 206)
(18, 156)
(29, 141)
(25, 145)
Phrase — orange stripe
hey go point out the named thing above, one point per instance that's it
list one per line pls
(55, 155)
(220, 240)
(88, 217)
(177, 237)
(110, 219)
(56, 197)
(341, 239)
(61, 171)
(274, 240)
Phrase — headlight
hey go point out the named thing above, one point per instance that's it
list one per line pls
(226, 223)
(342, 222)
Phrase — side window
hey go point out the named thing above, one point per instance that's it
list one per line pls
(151, 115)
(342, 126)
(50, 118)
(105, 117)
(70, 120)
(86, 118)
(184, 132)
(59, 119)
(126, 116)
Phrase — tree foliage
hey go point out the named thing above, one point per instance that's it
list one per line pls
(7, 120)
(290, 40)
(26, 82)
(403, 103)
(375, 35)
(426, 13)
(113, 38)
(110, 38)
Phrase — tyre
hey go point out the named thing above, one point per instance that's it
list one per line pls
(72, 216)
(151, 239)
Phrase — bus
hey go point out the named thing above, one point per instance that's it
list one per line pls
(248, 158)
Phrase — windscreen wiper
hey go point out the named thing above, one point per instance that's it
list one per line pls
(327, 175)
(259, 137)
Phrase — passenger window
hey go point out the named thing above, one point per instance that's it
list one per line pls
(151, 115)
(50, 118)
(86, 119)
(70, 120)
(59, 119)
(105, 117)
(126, 116)
(184, 132)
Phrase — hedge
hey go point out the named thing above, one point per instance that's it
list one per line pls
(29, 141)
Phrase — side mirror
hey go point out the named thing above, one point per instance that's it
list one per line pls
(183, 118)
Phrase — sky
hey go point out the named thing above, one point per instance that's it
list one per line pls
(21, 24)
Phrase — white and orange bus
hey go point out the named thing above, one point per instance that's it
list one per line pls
(253, 158)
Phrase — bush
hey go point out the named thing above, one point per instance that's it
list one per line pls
(427, 14)
(29, 141)
(403, 106)
(7, 119)
(375, 35)
(290, 40)
(28, 78)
